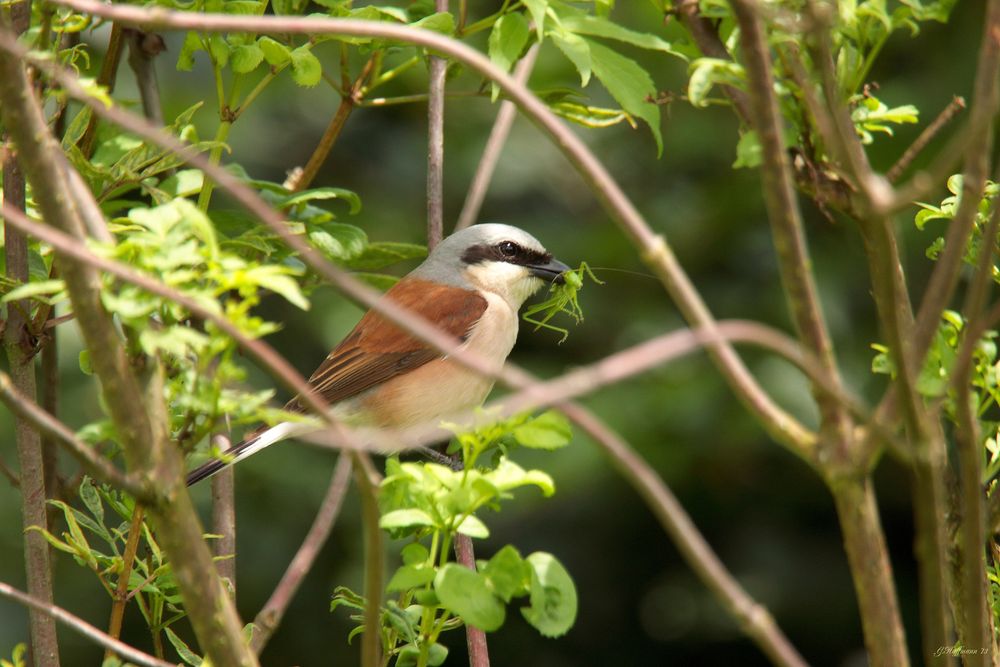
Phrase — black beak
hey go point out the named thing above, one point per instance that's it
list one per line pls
(551, 271)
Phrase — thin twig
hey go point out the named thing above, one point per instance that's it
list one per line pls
(437, 69)
(81, 626)
(954, 107)
(122, 596)
(106, 78)
(494, 146)
(374, 559)
(653, 247)
(269, 617)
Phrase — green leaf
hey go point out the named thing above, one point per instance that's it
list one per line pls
(183, 650)
(276, 279)
(590, 116)
(91, 499)
(473, 527)
(538, 9)
(553, 596)
(352, 198)
(275, 53)
(246, 57)
(507, 39)
(629, 84)
(508, 574)
(508, 475)
(414, 554)
(709, 72)
(183, 183)
(306, 68)
(219, 48)
(382, 254)
(442, 22)
(379, 281)
(411, 576)
(748, 151)
(338, 241)
(576, 49)
(549, 430)
(192, 44)
(585, 24)
(34, 289)
(466, 594)
(405, 518)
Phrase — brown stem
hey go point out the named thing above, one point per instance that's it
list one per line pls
(349, 100)
(494, 146)
(954, 107)
(871, 571)
(121, 596)
(143, 47)
(107, 77)
(438, 67)
(475, 639)
(269, 617)
(19, 345)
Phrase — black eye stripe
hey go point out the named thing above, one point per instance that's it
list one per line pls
(492, 253)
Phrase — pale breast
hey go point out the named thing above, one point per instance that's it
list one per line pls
(443, 387)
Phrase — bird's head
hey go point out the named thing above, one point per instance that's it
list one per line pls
(494, 258)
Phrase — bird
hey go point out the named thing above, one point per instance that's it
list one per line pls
(471, 285)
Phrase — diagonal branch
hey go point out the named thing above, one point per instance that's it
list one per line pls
(82, 627)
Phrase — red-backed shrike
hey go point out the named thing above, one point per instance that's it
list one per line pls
(471, 286)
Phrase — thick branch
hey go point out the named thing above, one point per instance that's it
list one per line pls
(19, 344)
(786, 219)
(143, 436)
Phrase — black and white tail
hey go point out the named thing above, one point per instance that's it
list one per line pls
(248, 447)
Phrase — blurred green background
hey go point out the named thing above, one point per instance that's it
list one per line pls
(767, 515)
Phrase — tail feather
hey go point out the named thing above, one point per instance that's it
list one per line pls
(244, 449)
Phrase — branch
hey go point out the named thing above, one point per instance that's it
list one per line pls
(269, 617)
(974, 621)
(224, 521)
(82, 627)
(475, 639)
(751, 617)
(945, 277)
(19, 343)
(786, 221)
(653, 248)
(49, 426)
(143, 432)
(494, 146)
(438, 68)
(954, 107)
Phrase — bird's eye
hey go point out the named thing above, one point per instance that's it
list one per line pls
(507, 248)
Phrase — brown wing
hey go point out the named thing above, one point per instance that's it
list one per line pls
(377, 350)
